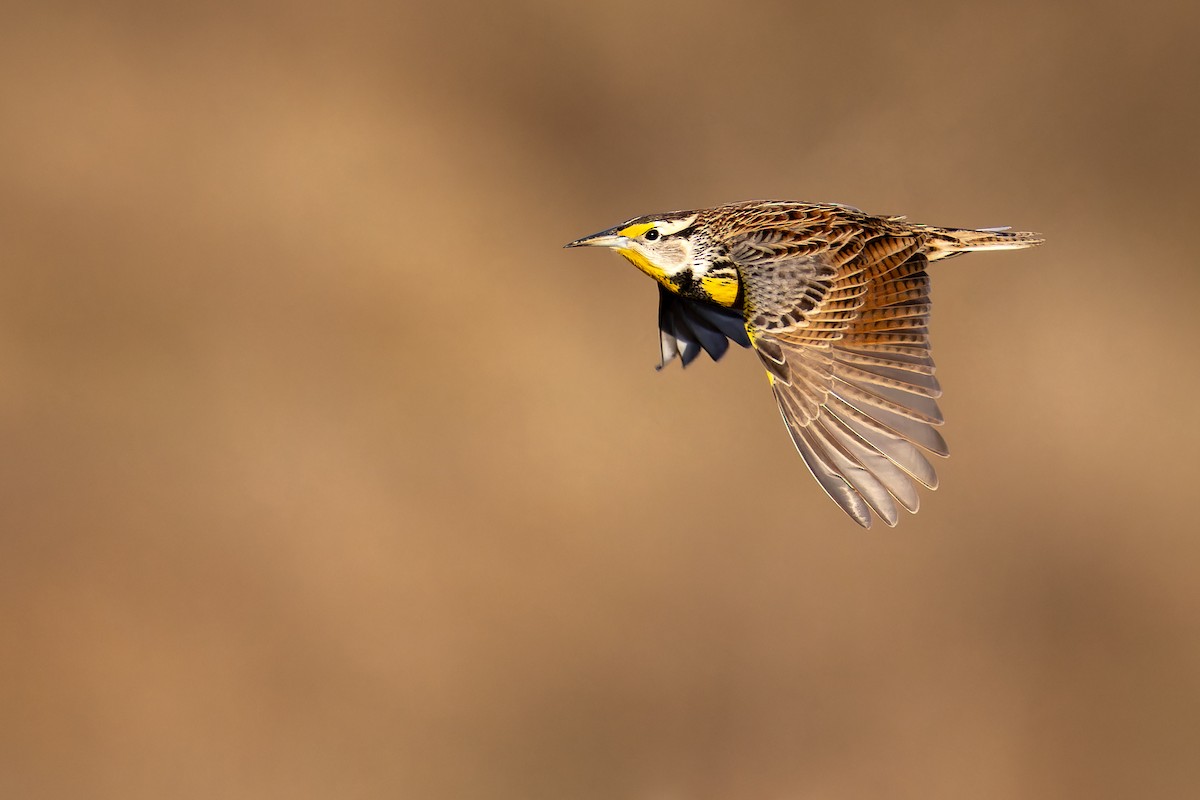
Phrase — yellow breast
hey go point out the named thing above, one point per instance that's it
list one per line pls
(721, 289)
(718, 288)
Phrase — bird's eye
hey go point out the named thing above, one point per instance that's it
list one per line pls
(651, 235)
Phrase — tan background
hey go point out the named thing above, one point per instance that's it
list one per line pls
(325, 473)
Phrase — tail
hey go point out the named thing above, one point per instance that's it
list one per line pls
(946, 242)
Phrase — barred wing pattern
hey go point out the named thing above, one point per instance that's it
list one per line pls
(841, 326)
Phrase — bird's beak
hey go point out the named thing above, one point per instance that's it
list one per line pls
(608, 238)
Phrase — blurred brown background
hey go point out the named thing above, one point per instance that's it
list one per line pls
(326, 473)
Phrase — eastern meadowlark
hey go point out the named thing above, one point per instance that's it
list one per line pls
(836, 304)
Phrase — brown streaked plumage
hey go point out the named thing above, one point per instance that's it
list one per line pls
(836, 304)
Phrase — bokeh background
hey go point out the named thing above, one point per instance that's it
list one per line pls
(324, 472)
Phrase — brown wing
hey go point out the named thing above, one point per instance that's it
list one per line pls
(842, 328)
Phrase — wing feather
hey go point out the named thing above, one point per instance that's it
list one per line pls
(820, 466)
(687, 327)
(845, 342)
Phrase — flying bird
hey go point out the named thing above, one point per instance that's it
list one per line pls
(836, 304)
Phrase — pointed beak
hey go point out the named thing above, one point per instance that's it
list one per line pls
(608, 238)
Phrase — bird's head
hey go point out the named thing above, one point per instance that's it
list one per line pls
(661, 245)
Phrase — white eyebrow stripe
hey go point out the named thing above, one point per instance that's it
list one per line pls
(667, 228)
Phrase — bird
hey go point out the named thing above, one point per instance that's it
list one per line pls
(836, 304)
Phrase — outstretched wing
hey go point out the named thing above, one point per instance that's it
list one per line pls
(688, 326)
(842, 328)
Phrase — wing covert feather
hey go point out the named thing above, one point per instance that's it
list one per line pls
(844, 339)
